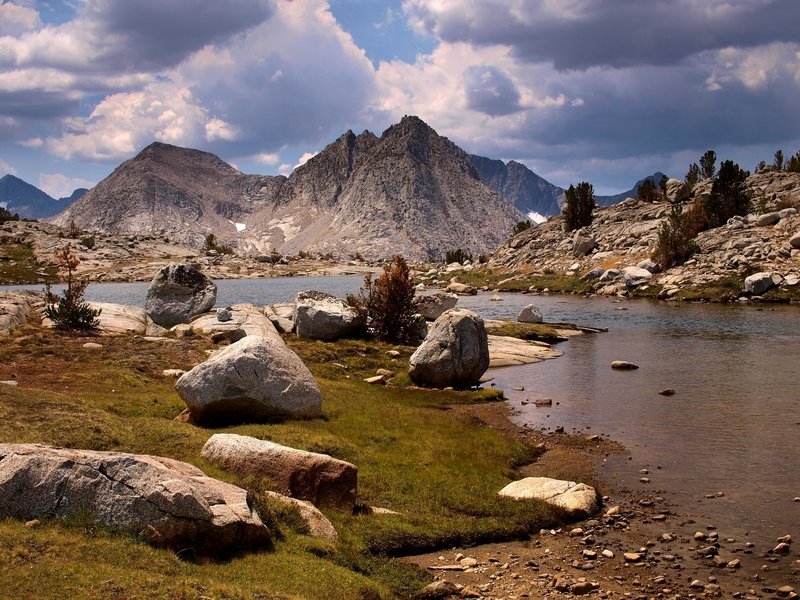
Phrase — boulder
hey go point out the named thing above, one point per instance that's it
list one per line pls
(677, 191)
(530, 314)
(121, 319)
(635, 276)
(579, 499)
(283, 324)
(16, 307)
(244, 318)
(462, 289)
(254, 379)
(582, 245)
(320, 316)
(768, 219)
(649, 265)
(758, 283)
(318, 478)
(168, 502)
(794, 241)
(431, 306)
(455, 353)
(595, 273)
(623, 365)
(316, 523)
(178, 293)
(505, 351)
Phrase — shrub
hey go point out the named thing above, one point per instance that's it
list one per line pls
(647, 191)
(708, 164)
(579, 206)
(211, 244)
(388, 303)
(7, 216)
(674, 243)
(70, 311)
(521, 226)
(458, 256)
(692, 175)
(729, 195)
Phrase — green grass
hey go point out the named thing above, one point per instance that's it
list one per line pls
(496, 280)
(439, 469)
(726, 289)
(25, 267)
(541, 332)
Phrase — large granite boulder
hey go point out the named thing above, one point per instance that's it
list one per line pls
(758, 283)
(254, 379)
(455, 353)
(320, 316)
(579, 499)
(582, 245)
(635, 276)
(243, 317)
(530, 314)
(178, 293)
(317, 478)
(168, 502)
(678, 191)
(794, 241)
(431, 306)
(123, 319)
(16, 307)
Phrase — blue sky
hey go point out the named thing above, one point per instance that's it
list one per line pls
(600, 90)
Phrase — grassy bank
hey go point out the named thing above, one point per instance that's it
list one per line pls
(18, 265)
(439, 469)
(516, 281)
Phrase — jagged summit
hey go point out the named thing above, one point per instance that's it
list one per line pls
(410, 192)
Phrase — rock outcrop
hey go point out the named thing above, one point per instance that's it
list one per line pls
(168, 502)
(244, 318)
(320, 316)
(579, 499)
(455, 352)
(16, 308)
(324, 481)
(625, 234)
(178, 293)
(254, 379)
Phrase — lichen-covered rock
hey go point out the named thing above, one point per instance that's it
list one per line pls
(578, 499)
(530, 314)
(168, 502)
(318, 478)
(455, 352)
(431, 306)
(178, 293)
(251, 380)
(16, 307)
(758, 283)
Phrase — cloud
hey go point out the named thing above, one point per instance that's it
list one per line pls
(58, 185)
(304, 158)
(579, 34)
(267, 158)
(8, 168)
(16, 19)
(35, 142)
(490, 91)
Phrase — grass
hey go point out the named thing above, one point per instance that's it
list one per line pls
(539, 332)
(516, 281)
(21, 265)
(439, 469)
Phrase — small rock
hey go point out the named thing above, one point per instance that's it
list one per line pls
(10, 383)
(632, 557)
(581, 588)
(376, 379)
(786, 539)
(623, 365)
(784, 591)
(224, 315)
(543, 402)
(496, 298)
(92, 346)
(173, 373)
(667, 392)
(439, 589)
(607, 553)
(32, 523)
(782, 548)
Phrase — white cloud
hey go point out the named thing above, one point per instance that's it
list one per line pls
(61, 186)
(267, 158)
(217, 129)
(4, 166)
(285, 169)
(35, 142)
(304, 158)
(16, 19)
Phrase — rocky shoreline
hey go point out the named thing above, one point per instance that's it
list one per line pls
(639, 545)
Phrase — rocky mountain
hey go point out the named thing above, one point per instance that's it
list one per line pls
(73, 197)
(180, 192)
(410, 191)
(631, 193)
(520, 186)
(624, 235)
(531, 193)
(28, 201)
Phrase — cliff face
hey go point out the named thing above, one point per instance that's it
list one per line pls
(520, 186)
(409, 192)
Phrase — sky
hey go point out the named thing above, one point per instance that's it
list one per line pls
(605, 91)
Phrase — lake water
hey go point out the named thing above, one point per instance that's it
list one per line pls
(732, 426)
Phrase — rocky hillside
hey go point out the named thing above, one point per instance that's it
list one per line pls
(28, 201)
(410, 191)
(179, 192)
(520, 186)
(625, 235)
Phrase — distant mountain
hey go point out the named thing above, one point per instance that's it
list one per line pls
(519, 185)
(27, 200)
(631, 193)
(68, 200)
(410, 192)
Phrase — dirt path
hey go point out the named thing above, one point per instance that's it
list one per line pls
(636, 547)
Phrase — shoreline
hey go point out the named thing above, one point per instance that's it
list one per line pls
(679, 556)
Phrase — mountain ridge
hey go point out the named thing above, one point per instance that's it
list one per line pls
(28, 201)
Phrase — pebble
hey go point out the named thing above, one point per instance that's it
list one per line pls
(632, 557)
(10, 383)
(607, 553)
(92, 346)
(782, 548)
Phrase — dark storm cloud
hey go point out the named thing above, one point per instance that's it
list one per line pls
(615, 33)
(34, 105)
(148, 35)
(491, 91)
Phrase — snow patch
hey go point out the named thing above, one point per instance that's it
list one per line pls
(536, 217)
(240, 227)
